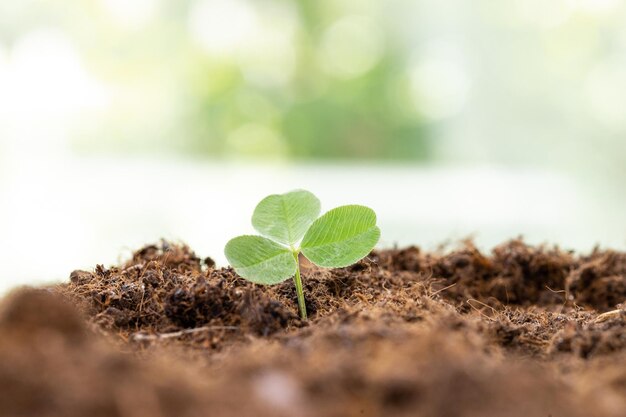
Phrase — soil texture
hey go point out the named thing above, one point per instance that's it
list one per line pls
(521, 331)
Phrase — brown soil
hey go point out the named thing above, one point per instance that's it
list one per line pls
(523, 331)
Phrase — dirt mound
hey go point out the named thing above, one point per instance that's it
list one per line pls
(51, 365)
(522, 331)
(519, 274)
(370, 367)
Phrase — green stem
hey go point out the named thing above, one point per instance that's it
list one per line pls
(299, 292)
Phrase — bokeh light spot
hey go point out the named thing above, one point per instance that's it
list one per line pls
(439, 88)
(351, 47)
(268, 59)
(63, 88)
(222, 26)
(545, 14)
(131, 14)
(598, 7)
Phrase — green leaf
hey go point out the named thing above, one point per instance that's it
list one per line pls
(260, 260)
(341, 237)
(285, 218)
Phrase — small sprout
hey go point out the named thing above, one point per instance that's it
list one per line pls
(290, 225)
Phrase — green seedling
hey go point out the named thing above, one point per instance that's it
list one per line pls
(289, 225)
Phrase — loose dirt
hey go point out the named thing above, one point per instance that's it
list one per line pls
(522, 331)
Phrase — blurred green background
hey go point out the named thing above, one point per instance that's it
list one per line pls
(310, 79)
(514, 81)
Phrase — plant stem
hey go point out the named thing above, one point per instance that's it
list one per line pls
(298, 282)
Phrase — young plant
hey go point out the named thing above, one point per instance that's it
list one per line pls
(289, 225)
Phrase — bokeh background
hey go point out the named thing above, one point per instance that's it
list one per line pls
(122, 122)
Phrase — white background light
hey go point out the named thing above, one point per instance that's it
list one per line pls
(222, 26)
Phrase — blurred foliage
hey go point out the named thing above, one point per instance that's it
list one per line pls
(315, 114)
(234, 77)
(511, 82)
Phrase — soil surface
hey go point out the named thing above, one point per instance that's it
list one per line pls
(522, 331)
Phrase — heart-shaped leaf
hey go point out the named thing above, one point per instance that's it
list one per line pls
(285, 218)
(260, 260)
(341, 237)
